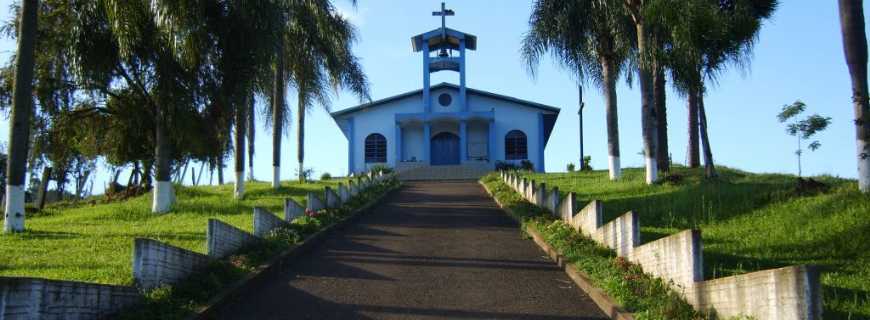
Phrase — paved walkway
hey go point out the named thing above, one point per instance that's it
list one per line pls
(430, 251)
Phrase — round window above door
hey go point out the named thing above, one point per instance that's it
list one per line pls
(445, 99)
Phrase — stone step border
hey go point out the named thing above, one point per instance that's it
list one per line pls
(274, 265)
(785, 293)
(607, 304)
(154, 263)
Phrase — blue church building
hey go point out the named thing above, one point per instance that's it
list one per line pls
(446, 129)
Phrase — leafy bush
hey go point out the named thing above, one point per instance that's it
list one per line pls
(586, 163)
(646, 296)
(325, 176)
(379, 168)
(527, 165)
(571, 167)
(504, 166)
(306, 174)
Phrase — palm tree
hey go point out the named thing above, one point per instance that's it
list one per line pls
(663, 161)
(252, 130)
(278, 110)
(646, 66)
(120, 47)
(22, 107)
(320, 60)
(855, 48)
(714, 34)
(590, 38)
(241, 122)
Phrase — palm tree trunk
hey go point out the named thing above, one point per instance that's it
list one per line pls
(220, 169)
(709, 168)
(694, 148)
(610, 98)
(241, 122)
(855, 48)
(147, 166)
(647, 108)
(277, 118)
(43, 187)
(163, 194)
(300, 134)
(251, 131)
(659, 96)
(19, 130)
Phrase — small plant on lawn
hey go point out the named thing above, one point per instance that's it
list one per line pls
(571, 167)
(306, 174)
(325, 176)
(802, 129)
(586, 163)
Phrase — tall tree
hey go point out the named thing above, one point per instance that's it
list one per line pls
(240, 135)
(252, 130)
(663, 161)
(646, 67)
(709, 36)
(590, 38)
(22, 107)
(279, 109)
(321, 62)
(855, 48)
(123, 52)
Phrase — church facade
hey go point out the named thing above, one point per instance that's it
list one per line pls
(446, 124)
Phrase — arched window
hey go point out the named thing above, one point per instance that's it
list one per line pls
(376, 148)
(515, 146)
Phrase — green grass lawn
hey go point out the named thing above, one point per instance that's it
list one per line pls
(750, 222)
(94, 243)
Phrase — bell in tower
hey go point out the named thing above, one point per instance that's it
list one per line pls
(443, 40)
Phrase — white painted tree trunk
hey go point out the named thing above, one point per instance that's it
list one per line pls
(14, 221)
(163, 197)
(615, 169)
(240, 184)
(863, 166)
(250, 173)
(276, 177)
(651, 171)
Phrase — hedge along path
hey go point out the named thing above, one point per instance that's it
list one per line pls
(154, 264)
(94, 243)
(783, 293)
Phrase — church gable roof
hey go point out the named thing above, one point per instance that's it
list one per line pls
(442, 85)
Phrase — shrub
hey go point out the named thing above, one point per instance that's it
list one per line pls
(586, 165)
(325, 176)
(306, 174)
(571, 167)
(379, 168)
(527, 165)
(504, 166)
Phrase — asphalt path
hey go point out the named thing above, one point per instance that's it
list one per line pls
(432, 250)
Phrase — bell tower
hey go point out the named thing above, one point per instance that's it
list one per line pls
(443, 50)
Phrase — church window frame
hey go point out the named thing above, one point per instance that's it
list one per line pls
(376, 148)
(516, 145)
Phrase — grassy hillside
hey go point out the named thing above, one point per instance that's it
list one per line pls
(94, 243)
(750, 222)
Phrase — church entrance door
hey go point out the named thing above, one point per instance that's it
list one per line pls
(445, 149)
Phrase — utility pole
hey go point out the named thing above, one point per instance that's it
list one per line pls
(580, 114)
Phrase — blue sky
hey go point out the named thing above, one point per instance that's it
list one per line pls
(798, 56)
